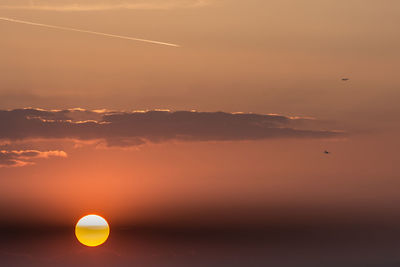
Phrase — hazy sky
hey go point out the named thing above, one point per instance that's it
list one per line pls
(258, 56)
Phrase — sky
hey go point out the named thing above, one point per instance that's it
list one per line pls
(229, 126)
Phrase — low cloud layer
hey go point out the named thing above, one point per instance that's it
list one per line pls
(135, 128)
(99, 5)
(20, 158)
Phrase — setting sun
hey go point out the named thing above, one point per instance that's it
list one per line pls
(92, 230)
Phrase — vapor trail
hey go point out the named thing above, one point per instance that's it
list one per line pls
(86, 31)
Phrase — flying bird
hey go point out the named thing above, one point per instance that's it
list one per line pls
(86, 31)
(345, 79)
(327, 152)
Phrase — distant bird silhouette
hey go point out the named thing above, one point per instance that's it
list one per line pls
(327, 152)
(345, 79)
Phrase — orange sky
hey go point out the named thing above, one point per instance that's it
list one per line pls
(285, 57)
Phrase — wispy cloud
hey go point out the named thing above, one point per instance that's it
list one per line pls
(20, 158)
(87, 5)
(127, 129)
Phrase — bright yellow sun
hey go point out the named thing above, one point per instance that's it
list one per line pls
(92, 230)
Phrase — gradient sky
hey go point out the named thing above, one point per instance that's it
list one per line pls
(283, 57)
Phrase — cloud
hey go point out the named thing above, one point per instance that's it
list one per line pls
(100, 5)
(126, 129)
(20, 158)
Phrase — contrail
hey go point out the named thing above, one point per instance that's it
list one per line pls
(86, 31)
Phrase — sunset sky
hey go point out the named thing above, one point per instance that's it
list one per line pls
(229, 127)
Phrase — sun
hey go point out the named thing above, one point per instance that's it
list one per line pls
(92, 230)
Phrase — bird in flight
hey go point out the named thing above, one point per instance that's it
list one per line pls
(327, 152)
(345, 79)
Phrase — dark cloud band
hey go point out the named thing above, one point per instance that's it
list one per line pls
(135, 128)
